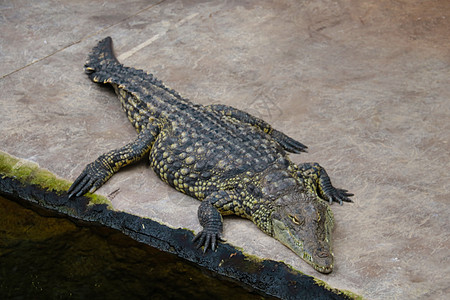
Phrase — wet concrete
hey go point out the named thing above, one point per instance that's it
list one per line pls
(366, 85)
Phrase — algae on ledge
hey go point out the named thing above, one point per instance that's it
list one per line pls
(30, 172)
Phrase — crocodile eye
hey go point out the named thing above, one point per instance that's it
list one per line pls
(295, 220)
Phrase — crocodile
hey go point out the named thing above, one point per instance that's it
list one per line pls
(231, 161)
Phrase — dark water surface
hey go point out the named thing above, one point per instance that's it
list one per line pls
(47, 257)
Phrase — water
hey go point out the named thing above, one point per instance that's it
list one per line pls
(47, 257)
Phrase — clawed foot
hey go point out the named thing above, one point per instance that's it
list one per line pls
(208, 238)
(337, 195)
(317, 177)
(92, 177)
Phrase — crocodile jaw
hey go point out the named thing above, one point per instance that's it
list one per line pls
(305, 228)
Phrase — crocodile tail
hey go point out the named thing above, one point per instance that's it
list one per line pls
(100, 60)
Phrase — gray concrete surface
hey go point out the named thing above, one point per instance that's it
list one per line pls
(365, 84)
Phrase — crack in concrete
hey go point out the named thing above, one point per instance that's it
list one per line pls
(81, 40)
(154, 38)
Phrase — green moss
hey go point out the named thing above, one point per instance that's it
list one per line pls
(250, 257)
(98, 199)
(349, 294)
(30, 173)
(257, 261)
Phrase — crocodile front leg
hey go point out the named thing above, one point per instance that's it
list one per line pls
(211, 220)
(99, 171)
(316, 178)
(288, 144)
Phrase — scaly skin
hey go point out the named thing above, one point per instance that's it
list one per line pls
(232, 161)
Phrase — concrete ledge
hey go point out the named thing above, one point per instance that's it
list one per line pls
(25, 182)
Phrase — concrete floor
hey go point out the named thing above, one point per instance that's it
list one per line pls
(365, 84)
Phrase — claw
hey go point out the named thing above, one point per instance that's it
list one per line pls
(200, 237)
(81, 186)
(208, 240)
(92, 177)
(213, 243)
(343, 196)
(338, 195)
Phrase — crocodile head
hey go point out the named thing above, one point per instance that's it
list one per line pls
(304, 223)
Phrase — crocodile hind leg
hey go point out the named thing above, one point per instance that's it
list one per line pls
(317, 180)
(100, 170)
(288, 144)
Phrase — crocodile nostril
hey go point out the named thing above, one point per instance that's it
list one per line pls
(322, 254)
